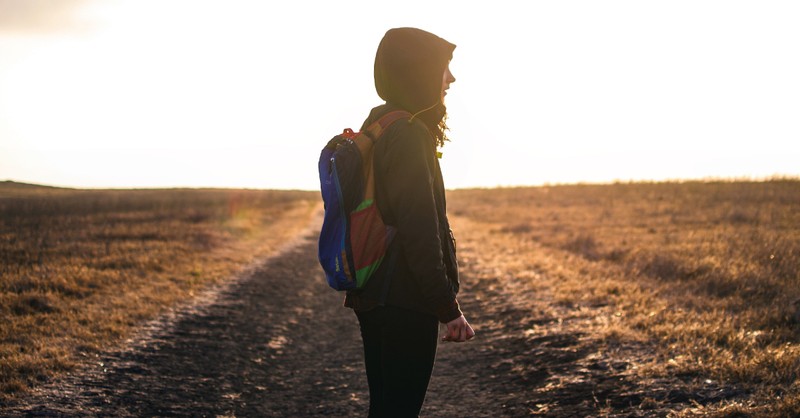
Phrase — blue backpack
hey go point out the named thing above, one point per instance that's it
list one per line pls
(354, 239)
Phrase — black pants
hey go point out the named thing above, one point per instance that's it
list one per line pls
(399, 350)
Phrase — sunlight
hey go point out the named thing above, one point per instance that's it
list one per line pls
(554, 94)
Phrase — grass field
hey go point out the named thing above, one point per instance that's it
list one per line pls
(709, 273)
(703, 276)
(80, 268)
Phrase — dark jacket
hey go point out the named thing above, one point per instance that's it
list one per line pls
(419, 271)
(420, 265)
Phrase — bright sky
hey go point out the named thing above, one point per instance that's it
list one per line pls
(168, 93)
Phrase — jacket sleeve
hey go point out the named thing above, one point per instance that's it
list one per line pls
(408, 168)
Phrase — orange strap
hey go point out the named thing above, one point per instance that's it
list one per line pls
(365, 141)
(375, 130)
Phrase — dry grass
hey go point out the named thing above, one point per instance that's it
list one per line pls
(79, 268)
(708, 272)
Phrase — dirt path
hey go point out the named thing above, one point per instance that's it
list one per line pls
(278, 344)
(254, 351)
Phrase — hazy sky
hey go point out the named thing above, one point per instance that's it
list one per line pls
(116, 93)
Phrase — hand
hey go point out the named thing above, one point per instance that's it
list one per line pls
(458, 330)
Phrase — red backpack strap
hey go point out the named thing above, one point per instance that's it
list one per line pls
(375, 130)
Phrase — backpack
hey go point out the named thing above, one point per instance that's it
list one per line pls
(353, 240)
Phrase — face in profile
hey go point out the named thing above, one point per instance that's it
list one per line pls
(447, 79)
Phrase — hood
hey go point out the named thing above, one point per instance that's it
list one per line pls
(408, 68)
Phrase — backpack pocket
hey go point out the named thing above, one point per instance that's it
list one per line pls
(369, 238)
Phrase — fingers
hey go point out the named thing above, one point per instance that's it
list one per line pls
(458, 330)
(470, 332)
(449, 335)
(455, 330)
(452, 333)
(455, 334)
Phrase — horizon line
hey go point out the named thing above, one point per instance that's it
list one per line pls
(706, 179)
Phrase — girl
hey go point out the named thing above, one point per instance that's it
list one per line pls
(415, 287)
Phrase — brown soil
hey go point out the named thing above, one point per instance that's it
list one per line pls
(278, 343)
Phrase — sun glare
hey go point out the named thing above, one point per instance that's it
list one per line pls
(244, 94)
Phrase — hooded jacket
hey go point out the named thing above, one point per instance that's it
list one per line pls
(419, 271)
(408, 71)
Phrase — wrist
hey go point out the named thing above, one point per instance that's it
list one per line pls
(449, 312)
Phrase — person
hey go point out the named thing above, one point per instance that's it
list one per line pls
(400, 307)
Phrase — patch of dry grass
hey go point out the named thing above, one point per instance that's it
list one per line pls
(709, 272)
(80, 268)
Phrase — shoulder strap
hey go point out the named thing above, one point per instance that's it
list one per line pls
(365, 142)
(375, 130)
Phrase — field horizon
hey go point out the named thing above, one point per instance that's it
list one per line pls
(18, 184)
